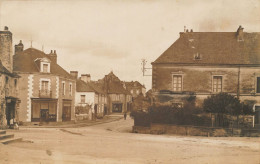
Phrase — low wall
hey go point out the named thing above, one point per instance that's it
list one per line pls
(191, 130)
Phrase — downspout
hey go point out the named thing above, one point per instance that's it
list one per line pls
(238, 83)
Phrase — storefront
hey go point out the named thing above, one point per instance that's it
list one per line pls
(44, 110)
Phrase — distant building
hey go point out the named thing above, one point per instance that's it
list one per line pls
(118, 98)
(135, 88)
(9, 101)
(206, 63)
(90, 93)
(47, 91)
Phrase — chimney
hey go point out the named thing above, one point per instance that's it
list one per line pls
(74, 74)
(240, 33)
(6, 28)
(53, 56)
(85, 77)
(18, 48)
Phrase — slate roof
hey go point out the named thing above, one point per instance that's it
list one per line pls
(133, 84)
(25, 62)
(113, 85)
(214, 48)
(82, 86)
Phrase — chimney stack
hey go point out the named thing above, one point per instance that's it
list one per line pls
(240, 33)
(6, 28)
(74, 74)
(53, 56)
(18, 48)
(85, 77)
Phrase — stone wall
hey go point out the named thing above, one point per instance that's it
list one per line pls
(199, 80)
(194, 131)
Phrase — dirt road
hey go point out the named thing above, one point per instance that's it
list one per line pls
(111, 143)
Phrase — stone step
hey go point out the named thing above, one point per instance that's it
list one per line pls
(10, 140)
(2, 132)
(5, 136)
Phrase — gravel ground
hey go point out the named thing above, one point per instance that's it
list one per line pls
(112, 143)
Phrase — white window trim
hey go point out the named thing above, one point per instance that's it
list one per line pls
(178, 74)
(64, 89)
(48, 70)
(212, 81)
(44, 79)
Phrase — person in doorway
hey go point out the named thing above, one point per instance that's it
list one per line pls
(125, 115)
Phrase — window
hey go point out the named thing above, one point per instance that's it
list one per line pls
(132, 91)
(177, 82)
(6, 80)
(15, 83)
(137, 92)
(82, 98)
(70, 89)
(217, 84)
(63, 88)
(45, 68)
(258, 85)
(44, 85)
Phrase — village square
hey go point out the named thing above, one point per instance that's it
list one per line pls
(110, 91)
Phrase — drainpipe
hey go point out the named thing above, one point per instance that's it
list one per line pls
(238, 83)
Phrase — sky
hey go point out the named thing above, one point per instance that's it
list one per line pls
(97, 37)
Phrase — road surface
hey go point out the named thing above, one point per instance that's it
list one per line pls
(112, 143)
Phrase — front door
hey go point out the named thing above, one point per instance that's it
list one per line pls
(44, 115)
(10, 111)
(66, 110)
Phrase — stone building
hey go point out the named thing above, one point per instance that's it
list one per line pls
(9, 101)
(91, 94)
(118, 98)
(206, 63)
(47, 91)
(135, 88)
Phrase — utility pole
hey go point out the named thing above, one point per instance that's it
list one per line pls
(144, 68)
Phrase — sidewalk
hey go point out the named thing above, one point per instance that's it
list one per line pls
(72, 124)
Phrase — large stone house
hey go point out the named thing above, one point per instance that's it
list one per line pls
(9, 101)
(206, 63)
(89, 93)
(47, 91)
(118, 98)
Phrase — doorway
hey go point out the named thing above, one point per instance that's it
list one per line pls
(117, 107)
(44, 115)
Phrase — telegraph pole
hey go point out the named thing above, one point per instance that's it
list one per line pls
(144, 68)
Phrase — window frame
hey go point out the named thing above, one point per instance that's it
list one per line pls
(221, 89)
(63, 87)
(81, 96)
(256, 85)
(181, 88)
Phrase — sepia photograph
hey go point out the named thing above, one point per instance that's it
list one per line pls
(129, 81)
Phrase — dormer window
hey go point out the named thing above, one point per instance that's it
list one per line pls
(45, 68)
(197, 56)
(43, 64)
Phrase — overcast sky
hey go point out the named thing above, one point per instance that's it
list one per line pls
(99, 36)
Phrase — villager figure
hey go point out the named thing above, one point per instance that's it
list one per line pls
(125, 115)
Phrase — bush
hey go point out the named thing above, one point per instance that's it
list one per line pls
(223, 103)
(141, 118)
